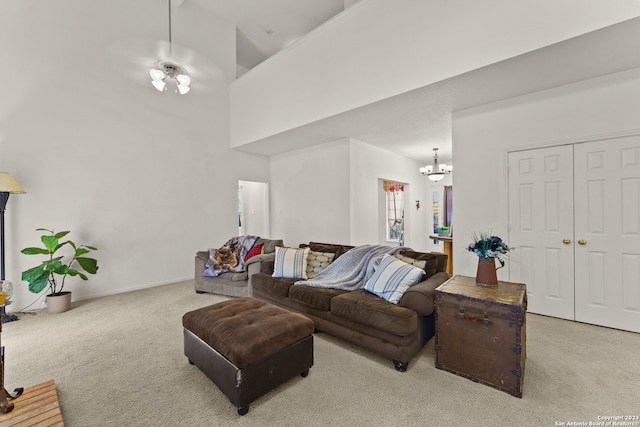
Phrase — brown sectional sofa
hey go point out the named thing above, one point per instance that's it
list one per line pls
(397, 331)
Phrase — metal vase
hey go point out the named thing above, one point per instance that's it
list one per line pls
(486, 275)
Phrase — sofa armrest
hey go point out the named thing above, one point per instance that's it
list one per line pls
(269, 244)
(254, 266)
(260, 258)
(420, 297)
(203, 255)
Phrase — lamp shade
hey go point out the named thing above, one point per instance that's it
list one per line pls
(435, 176)
(158, 84)
(156, 74)
(9, 185)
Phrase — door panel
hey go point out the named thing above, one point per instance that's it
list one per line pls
(607, 220)
(540, 218)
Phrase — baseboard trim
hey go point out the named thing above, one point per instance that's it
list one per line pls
(133, 288)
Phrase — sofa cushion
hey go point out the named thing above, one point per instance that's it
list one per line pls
(291, 263)
(327, 247)
(319, 298)
(240, 276)
(270, 285)
(267, 267)
(392, 277)
(432, 261)
(421, 264)
(363, 307)
(318, 261)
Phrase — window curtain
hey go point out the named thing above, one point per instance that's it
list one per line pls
(395, 208)
(448, 205)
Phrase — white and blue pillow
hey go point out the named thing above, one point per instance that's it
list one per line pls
(291, 263)
(392, 277)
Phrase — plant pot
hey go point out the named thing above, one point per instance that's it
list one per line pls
(58, 303)
(486, 274)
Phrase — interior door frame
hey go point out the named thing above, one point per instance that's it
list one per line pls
(549, 144)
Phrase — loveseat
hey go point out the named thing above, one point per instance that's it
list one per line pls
(397, 331)
(233, 284)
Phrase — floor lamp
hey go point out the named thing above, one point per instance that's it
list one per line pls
(8, 185)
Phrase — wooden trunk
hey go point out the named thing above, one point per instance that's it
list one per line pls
(481, 332)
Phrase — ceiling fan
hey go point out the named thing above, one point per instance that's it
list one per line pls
(167, 70)
(130, 57)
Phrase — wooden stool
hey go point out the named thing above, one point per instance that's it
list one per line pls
(248, 347)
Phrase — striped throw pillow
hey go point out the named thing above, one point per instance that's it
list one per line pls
(290, 263)
(392, 278)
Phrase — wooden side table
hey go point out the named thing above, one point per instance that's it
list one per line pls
(481, 332)
(448, 250)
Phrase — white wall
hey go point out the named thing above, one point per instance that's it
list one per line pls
(595, 108)
(368, 165)
(376, 49)
(310, 194)
(330, 193)
(147, 177)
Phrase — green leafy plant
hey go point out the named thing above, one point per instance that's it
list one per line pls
(52, 272)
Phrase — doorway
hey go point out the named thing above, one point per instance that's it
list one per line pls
(574, 217)
(253, 208)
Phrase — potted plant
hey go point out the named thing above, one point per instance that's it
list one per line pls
(53, 271)
(444, 231)
(488, 248)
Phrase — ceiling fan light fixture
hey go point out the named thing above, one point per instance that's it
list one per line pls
(163, 70)
(156, 74)
(183, 79)
(159, 84)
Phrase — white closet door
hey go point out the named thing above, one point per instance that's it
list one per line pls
(541, 228)
(607, 229)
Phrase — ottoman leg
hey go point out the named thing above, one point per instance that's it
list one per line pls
(242, 410)
(400, 366)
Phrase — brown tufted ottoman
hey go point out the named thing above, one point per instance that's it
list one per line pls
(247, 346)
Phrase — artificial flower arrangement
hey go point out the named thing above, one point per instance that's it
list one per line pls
(489, 247)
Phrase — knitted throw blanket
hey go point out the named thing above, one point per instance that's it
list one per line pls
(230, 257)
(352, 269)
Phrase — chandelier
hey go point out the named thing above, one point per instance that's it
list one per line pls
(436, 171)
(166, 72)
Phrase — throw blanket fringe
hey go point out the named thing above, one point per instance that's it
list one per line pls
(352, 269)
(230, 257)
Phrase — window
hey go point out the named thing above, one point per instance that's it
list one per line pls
(394, 192)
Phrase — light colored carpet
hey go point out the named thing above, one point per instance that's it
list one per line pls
(118, 361)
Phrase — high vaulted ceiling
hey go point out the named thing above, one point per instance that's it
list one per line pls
(266, 27)
(74, 44)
